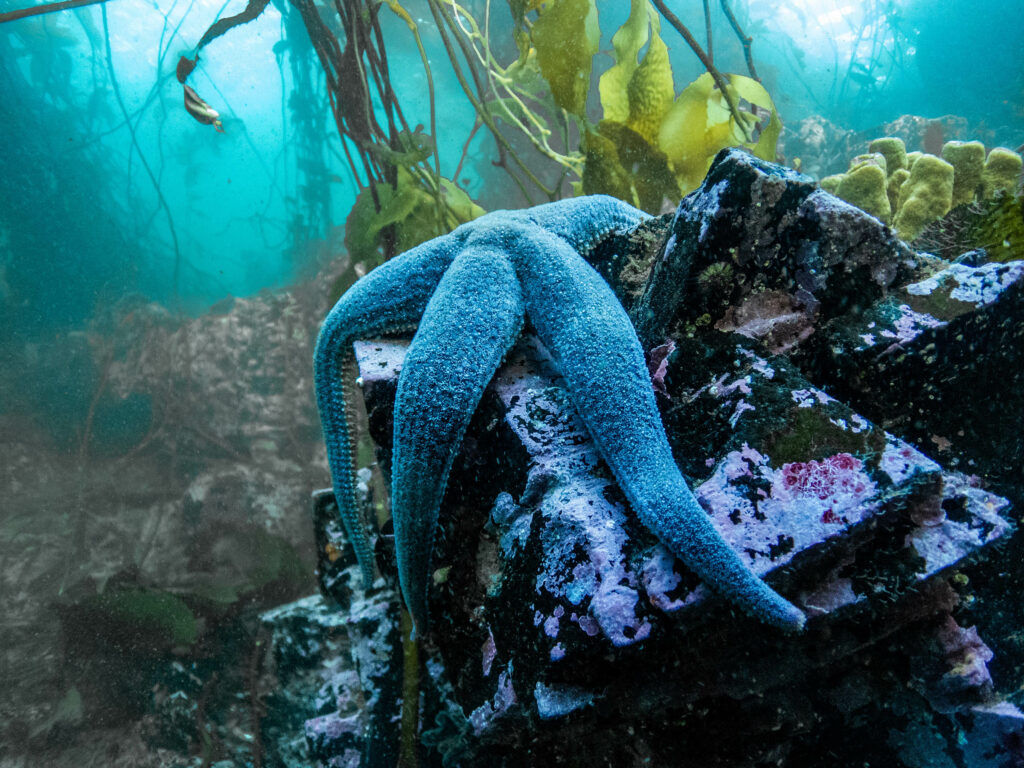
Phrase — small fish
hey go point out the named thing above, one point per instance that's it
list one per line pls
(202, 111)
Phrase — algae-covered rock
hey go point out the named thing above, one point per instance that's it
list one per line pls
(864, 186)
(925, 196)
(1002, 170)
(562, 617)
(893, 150)
(564, 631)
(999, 228)
(938, 361)
(794, 250)
(968, 160)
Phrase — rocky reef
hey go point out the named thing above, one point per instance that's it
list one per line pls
(811, 372)
(844, 406)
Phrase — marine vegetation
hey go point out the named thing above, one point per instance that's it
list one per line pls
(649, 146)
(468, 294)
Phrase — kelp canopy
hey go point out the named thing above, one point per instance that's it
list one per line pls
(641, 141)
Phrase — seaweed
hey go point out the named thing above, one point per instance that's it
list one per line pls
(651, 146)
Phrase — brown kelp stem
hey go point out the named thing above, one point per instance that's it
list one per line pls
(745, 40)
(80, 522)
(251, 12)
(365, 106)
(145, 163)
(346, 92)
(443, 19)
(465, 149)
(672, 19)
(255, 700)
(707, 28)
(410, 694)
(37, 10)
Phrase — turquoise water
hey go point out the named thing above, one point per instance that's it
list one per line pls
(261, 203)
(162, 281)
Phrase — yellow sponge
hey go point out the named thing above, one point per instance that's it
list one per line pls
(864, 186)
(926, 195)
(894, 151)
(1001, 172)
(967, 159)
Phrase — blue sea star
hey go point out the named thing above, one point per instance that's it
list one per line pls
(467, 294)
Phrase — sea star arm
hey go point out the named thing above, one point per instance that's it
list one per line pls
(390, 299)
(583, 221)
(588, 332)
(469, 325)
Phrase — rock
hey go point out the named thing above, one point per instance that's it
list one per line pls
(564, 630)
(926, 134)
(761, 239)
(820, 146)
(314, 696)
(188, 477)
(995, 735)
(562, 608)
(352, 660)
(918, 360)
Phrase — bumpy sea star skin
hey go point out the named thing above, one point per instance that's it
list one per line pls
(467, 294)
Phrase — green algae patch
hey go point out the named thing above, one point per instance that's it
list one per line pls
(999, 229)
(812, 433)
(414, 215)
(147, 618)
(993, 229)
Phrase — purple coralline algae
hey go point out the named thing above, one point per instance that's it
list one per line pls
(504, 699)
(807, 500)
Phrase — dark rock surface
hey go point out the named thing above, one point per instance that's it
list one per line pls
(565, 632)
(764, 243)
(557, 606)
(916, 358)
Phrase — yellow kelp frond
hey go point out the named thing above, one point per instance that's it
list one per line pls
(566, 37)
(621, 163)
(413, 212)
(699, 124)
(638, 95)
